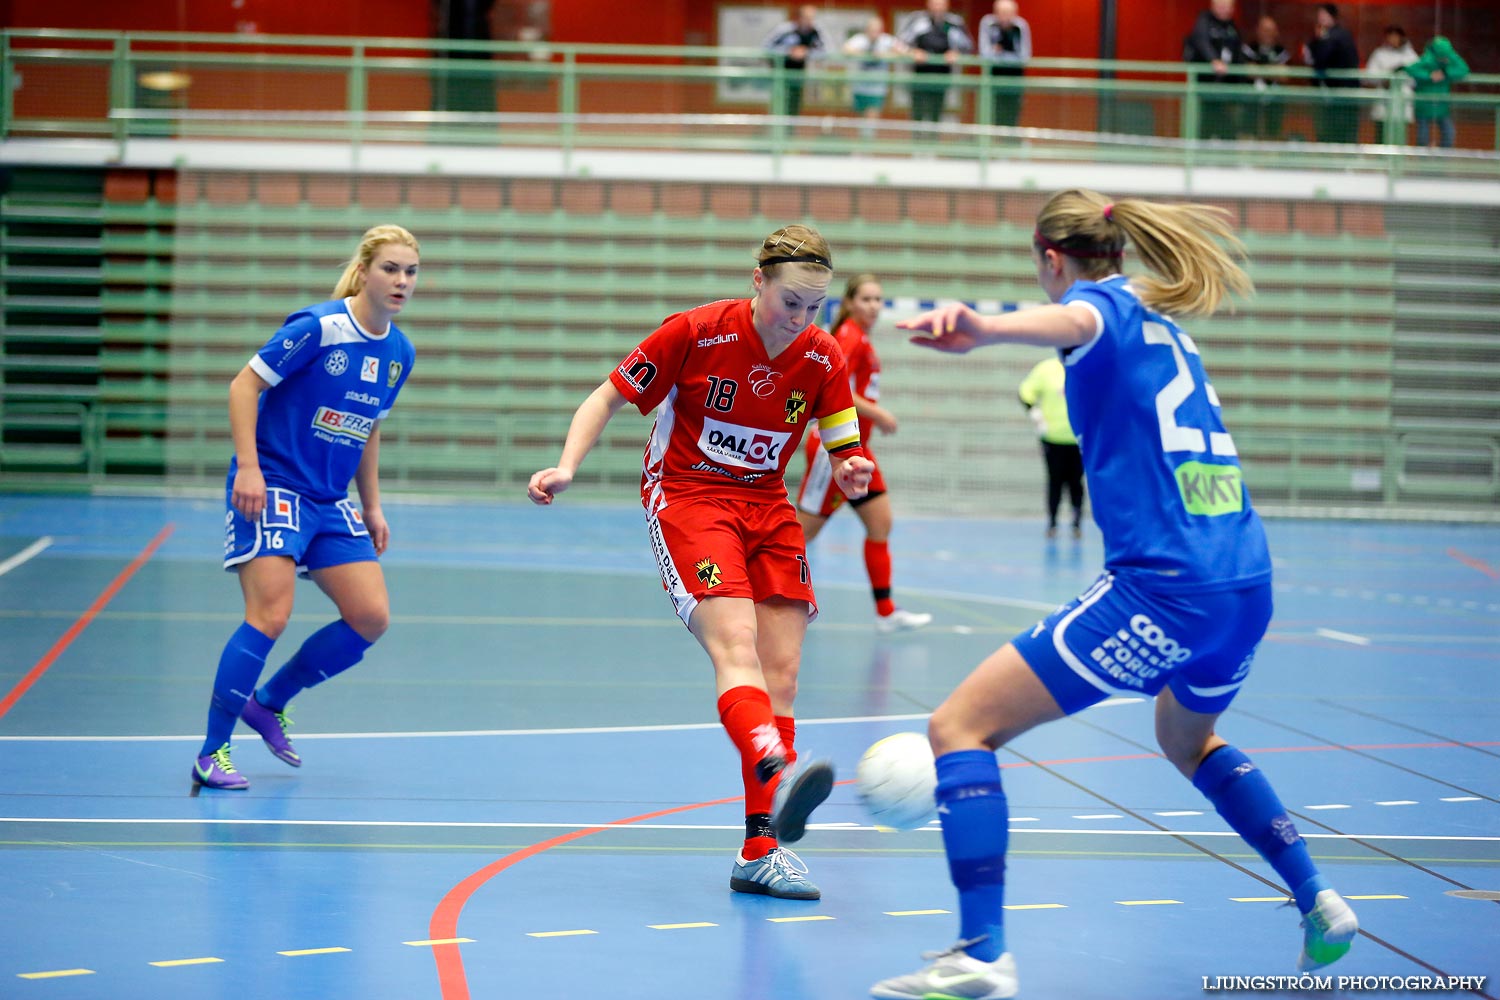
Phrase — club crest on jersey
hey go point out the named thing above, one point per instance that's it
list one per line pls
(708, 573)
(796, 406)
(336, 363)
(763, 380)
(637, 371)
(393, 375)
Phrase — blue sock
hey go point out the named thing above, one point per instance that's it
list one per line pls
(327, 653)
(239, 667)
(976, 829)
(1248, 803)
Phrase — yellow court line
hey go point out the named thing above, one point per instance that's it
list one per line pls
(795, 920)
(1259, 899)
(173, 963)
(55, 974)
(678, 927)
(1375, 897)
(1036, 906)
(423, 944)
(312, 951)
(558, 933)
(1148, 902)
(914, 913)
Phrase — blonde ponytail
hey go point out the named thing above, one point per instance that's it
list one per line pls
(353, 278)
(1191, 248)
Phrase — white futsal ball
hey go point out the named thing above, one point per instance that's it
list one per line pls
(897, 782)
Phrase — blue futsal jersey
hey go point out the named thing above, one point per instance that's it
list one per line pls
(331, 380)
(1165, 478)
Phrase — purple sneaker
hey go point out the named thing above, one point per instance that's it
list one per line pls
(215, 770)
(272, 727)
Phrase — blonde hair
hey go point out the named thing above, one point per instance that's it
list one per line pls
(353, 278)
(803, 243)
(849, 292)
(1191, 248)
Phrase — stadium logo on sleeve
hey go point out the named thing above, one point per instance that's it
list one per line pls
(637, 372)
(708, 573)
(821, 359)
(336, 363)
(393, 375)
(796, 406)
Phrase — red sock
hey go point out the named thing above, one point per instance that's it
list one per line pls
(748, 719)
(787, 726)
(878, 565)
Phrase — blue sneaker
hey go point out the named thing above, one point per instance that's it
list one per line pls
(216, 770)
(802, 788)
(780, 874)
(272, 726)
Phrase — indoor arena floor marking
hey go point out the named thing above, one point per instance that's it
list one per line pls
(301, 952)
(1149, 902)
(915, 913)
(173, 963)
(681, 927)
(556, 934)
(799, 920)
(437, 941)
(1036, 906)
(55, 974)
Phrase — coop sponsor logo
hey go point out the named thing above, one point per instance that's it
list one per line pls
(747, 447)
(340, 423)
(1136, 655)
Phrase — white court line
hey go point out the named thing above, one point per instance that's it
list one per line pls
(582, 731)
(34, 549)
(1349, 637)
(488, 825)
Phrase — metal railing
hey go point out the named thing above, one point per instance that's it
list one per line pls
(124, 87)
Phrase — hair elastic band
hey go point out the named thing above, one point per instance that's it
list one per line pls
(801, 258)
(1041, 240)
(1109, 212)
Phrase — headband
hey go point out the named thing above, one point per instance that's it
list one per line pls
(800, 258)
(1041, 240)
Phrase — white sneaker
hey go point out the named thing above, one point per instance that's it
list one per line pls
(901, 620)
(1327, 931)
(956, 975)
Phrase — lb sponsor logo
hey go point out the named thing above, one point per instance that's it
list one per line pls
(341, 423)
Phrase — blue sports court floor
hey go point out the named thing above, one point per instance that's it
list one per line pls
(523, 791)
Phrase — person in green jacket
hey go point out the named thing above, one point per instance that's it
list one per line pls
(1435, 74)
(1042, 394)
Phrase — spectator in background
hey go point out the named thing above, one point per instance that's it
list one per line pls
(1042, 394)
(1332, 48)
(1268, 56)
(935, 38)
(1383, 68)
(874, 48)
(1435, 72)
(1216, 41)
(1005, 41)
(795, 42)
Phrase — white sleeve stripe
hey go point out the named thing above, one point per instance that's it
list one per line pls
(265, 371)
(1076, 355)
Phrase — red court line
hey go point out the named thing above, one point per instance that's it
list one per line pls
(444, 924)
(1474, 563)
(454, 984)
(36, 672)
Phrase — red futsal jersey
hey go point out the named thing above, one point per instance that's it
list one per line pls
(730, 416)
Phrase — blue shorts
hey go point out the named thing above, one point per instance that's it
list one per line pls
(315, 535)
(1119, 639)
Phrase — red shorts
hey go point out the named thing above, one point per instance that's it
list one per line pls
(728, 548)
(819, 494)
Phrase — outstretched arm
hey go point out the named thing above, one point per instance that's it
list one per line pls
(588, 423)
(957, 329)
